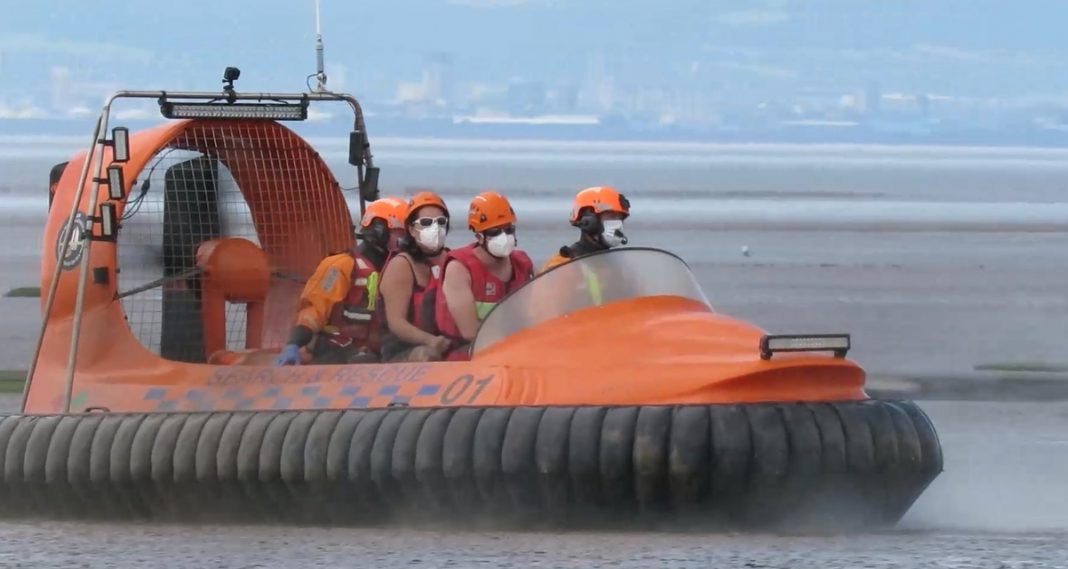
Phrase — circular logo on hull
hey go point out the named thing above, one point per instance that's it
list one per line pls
(75, 243)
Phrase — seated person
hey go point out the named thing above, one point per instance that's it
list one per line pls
(483, 272)
(408, 277)
(598, 212)
(339, 302)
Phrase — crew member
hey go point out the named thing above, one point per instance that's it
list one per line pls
(408, 283)
(598, 212)
(476, 277)
(339, 302)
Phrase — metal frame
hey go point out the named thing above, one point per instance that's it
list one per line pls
(96, 152)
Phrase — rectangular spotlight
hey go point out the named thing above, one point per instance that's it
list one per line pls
(116, 182)
(120, 144)
(107, 221)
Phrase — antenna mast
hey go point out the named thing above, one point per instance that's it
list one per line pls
(320, 75)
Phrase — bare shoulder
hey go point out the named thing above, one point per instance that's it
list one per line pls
(454, 271)
(398, 267)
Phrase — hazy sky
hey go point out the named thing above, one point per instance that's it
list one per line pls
(961, 48)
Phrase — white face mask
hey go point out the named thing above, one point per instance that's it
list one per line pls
(501, 245)
(433, 237)
(613, 233)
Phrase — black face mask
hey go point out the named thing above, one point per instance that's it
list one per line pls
(377, 235)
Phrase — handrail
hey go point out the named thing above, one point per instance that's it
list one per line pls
(83, 270)
(52, 286)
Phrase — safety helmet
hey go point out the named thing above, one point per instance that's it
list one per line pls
(424, 199)
(598, 200)
(390, 209)
(489, 210)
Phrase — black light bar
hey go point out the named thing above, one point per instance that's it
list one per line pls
(274, 111)
(837, 343)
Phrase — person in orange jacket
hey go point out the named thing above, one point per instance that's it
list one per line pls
(476, 277)
(598, 212)
(339, 303)
(409, 281)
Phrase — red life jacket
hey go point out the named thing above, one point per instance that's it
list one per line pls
(358, 317)
(488, 290)
(421, 305)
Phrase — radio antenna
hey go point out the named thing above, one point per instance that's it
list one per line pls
(320, 75)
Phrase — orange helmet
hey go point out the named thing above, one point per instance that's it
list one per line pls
(391, 210)
(424, 199)
(599, 199)
(489, 210)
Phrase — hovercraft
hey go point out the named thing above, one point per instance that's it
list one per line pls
(173, 263)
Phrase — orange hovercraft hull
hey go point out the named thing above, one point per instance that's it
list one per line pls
(649, 408)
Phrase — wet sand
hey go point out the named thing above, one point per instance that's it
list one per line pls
(69, 546)
(919, 304)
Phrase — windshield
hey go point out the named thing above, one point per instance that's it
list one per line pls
(600, 278)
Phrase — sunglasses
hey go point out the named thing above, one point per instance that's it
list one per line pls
(428, 221)
(510, 230)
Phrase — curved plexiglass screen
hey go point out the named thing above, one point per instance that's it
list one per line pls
(593, 280)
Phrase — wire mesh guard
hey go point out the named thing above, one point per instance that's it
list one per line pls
(256, 180)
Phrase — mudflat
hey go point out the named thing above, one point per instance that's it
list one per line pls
(919, 304)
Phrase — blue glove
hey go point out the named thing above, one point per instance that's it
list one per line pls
(290, 356)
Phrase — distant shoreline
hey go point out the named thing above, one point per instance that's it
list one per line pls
(326, 137)
(608, 128)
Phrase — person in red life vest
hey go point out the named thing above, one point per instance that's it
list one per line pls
(409, 281)
(338, 306)
(479, 275)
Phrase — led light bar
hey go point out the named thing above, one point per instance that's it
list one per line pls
(837, 343)
(280, 112)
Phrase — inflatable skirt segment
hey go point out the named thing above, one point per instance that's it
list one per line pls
(812, 466)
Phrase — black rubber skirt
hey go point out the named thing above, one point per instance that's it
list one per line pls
(770, 466)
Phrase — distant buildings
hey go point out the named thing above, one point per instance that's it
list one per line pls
(711, 97)
(438, 79)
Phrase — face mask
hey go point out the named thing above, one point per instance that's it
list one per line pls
(501, 245)
(433, 237)
(613, 233)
